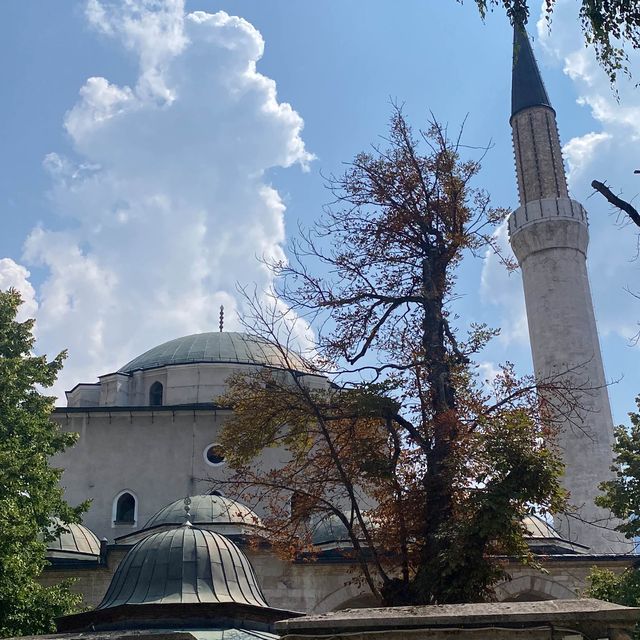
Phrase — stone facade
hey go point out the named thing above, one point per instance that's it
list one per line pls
(328, 585)
(156, 454)
(538, 155)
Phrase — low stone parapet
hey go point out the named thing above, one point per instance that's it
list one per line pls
(544, 620)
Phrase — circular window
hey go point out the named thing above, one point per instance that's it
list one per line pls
(214, 454)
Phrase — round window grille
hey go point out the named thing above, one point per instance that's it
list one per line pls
(214, 454)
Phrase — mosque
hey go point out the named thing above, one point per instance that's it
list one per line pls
(149, 437)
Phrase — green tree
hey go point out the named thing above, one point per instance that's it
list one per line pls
(622, 494)
(29, 492)
(606, 24)
(427, 471)
(619, 588)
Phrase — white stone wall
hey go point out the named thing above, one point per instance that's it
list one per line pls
(182, 384)
(550, 238)
(156, 455)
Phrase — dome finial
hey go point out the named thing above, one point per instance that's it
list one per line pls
(187, 512)
(221, 317)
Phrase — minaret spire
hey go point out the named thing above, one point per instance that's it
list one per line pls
(527, 87)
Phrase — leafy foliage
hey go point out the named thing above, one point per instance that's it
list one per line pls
(622, 494)
(619, 588)
(607, 25)
(29, 493)
(428, 471)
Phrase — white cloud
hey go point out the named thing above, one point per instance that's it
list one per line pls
(166, 202)
(503, 288)
(487, 374)
(579, 152)
(15, 276)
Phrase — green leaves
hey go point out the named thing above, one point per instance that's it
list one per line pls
(29, 492)
(607, 26)
(622, 494)
(620, 588)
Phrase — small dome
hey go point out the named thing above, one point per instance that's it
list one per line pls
(216, 347)
(182, 566)
(539, 528)
(329, 529)
(542, 538)
(76, 539)
(208, 509)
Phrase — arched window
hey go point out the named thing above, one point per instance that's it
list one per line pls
(155, 394)
(124, 509)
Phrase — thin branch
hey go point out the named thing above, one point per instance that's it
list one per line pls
(621, 204)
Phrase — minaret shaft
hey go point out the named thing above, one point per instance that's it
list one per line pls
(538, 154)
(549, 235)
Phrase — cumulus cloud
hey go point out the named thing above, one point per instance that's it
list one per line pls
(165, 201)
(503, 289)
(579, 152)
(15, 276)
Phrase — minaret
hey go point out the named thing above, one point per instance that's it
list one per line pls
(549, 235)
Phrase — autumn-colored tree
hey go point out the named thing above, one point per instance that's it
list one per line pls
(400, 448)
(30, 497)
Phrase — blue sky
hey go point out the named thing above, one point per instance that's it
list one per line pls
(148, 157)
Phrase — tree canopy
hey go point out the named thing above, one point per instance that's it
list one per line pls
(622, 494)
(30, 496)
(426, 470)
(606, 24)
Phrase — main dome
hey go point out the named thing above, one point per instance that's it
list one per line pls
(216, 347)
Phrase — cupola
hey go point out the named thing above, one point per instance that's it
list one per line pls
(181, 578)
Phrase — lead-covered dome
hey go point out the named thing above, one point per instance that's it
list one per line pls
(182, 566)
(206, 509)
(214, 347)
(542, 538)
(73, 542)
(182, 578)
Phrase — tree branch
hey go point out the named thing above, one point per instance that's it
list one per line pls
(621, 204)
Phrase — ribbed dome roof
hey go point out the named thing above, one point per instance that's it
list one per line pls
(205, 509)
(329, 529)
(220, 347)
(539, 528)
(77, 539)
(183, 566)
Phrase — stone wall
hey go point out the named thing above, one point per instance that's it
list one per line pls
(318, 587)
